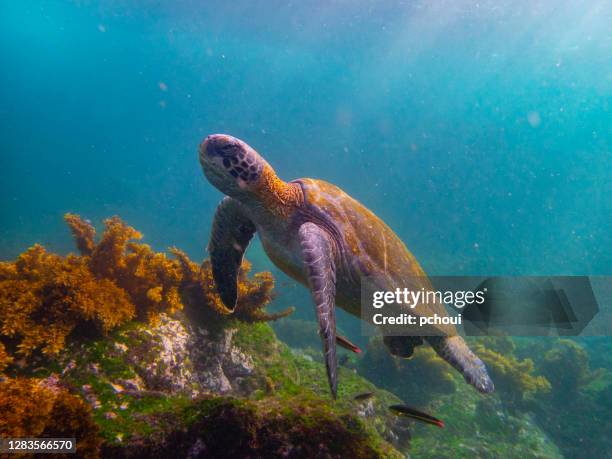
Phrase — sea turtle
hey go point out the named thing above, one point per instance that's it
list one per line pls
(323, 238)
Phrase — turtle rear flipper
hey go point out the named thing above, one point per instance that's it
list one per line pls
(455, 351)
(402, 346)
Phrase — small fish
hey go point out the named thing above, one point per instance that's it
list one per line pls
(346, 344)
(363, 396)
(403, 410)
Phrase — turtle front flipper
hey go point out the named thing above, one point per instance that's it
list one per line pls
(319, 261)
(455, 351)
(232, 231)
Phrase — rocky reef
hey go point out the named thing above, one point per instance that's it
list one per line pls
(548, 402)
(475, 425)
(133, 353)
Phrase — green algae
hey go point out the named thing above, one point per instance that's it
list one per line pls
(230, 427)
(121, 415)
(291, 405)
(479, 426)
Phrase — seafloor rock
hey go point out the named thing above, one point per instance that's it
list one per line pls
(166, 388)
(174, 357)
(476, 425)
(168, 358)
(232, 428)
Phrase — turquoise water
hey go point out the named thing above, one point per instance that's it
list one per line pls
(481, 132)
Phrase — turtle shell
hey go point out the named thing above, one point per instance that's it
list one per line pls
(370, 249)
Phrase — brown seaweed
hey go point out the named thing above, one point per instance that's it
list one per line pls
(45, 297)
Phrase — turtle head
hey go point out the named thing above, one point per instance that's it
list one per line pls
(231, 165)
(238, 171)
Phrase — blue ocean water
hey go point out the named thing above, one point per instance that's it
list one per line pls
(480, 131)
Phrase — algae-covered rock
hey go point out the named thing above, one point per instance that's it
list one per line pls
(417, 380)
(175, 357)
(566, 365)
(148, 362)
(480, 426)
(576, 412)
(516, 380)
(162, 398)
(476, 425)
(298, 333)
(232, 428)
(170, 357)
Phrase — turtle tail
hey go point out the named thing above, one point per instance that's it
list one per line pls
(455, 351)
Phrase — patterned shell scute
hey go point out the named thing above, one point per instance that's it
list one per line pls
(379, 250)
